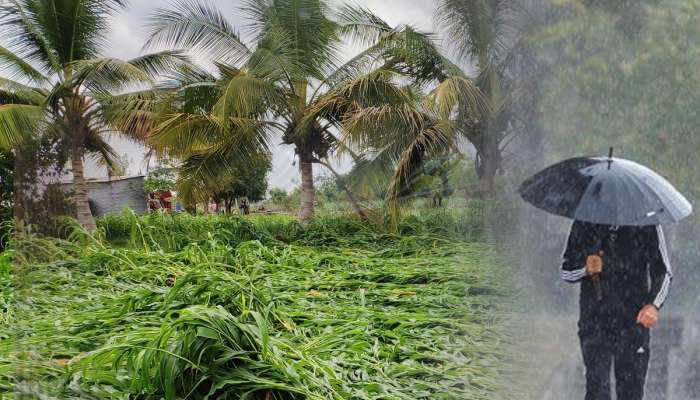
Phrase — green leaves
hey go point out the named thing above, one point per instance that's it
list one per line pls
(360, 25)
(60, 32)
(63, 38)
(18, 121)
(197, 27)
(108, 75)
(219, 314)
(205, 352)
(18, 67)
(12, 92)
(306, 24)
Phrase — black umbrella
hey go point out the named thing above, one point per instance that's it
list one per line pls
(610, 191)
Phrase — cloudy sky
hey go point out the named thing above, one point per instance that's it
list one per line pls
(128, 35)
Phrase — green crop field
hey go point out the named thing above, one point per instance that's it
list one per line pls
(182, 307)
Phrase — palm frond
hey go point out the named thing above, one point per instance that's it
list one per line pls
(198, 27)
(373, 89)
(312, 35)
(13, 92)
(23, 30)
(72, 29)
(404, 49)
(17, 67)
(179, 133)
(102, 152)
(485, 29)
(372, 171)
(202, 174)
(18, 121)
(276, 59)
(133, 114)
(160, 64)
(458, 95)
(431, 140)
(104, 75)
(359, 24)
(245, 95)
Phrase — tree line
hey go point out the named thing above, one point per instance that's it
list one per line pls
(405, 104)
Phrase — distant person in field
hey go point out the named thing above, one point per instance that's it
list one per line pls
(625, 278)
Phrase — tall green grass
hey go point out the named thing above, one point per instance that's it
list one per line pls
(225, 308)
(172, 232)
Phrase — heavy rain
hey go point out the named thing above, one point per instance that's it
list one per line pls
(599, 75)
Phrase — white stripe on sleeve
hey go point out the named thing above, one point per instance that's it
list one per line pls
(663, 291)
(570, 276)
(573, 276)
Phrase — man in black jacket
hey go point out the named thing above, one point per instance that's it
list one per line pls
(625, 277)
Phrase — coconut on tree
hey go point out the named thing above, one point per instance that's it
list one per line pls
(57, 82)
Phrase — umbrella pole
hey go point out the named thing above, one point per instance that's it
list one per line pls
(598, 287)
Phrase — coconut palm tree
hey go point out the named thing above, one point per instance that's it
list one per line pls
(286, 80)
(392, 142)
(486, 32)
(475, 109)
(58, 84)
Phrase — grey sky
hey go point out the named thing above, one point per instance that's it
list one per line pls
(128, 35)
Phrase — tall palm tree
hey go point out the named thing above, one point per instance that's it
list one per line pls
(393, 142)
(286, 80)
(486, 32)
(58, 84)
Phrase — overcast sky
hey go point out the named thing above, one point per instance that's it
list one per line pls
(128, 34)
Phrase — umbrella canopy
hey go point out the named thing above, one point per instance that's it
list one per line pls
(610, 191)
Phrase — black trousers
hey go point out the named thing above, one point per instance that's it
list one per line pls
(627, 349)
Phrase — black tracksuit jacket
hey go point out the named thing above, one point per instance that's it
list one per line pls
(636, 270)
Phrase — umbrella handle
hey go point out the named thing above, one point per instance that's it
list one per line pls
(597, 286)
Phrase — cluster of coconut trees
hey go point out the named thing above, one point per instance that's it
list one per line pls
(396, 103)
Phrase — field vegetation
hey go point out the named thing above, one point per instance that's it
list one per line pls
(180, 306)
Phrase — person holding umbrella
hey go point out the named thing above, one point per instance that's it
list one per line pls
(631, 267)
(617, 251)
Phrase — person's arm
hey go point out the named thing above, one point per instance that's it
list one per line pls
(659, 269)
(573, 266)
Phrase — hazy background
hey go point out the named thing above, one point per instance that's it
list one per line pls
(596, 74)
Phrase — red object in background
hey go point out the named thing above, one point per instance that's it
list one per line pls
(153, 202)
(158, 200)
(166, 199)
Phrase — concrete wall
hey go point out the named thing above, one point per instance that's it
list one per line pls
(113, 196)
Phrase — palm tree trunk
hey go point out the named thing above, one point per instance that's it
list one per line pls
(306, 209)
(489, 163)
(80, 197)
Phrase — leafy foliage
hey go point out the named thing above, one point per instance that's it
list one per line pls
(226, 184)
(366, 315)
(72, 95)
(159, 180)
(287, 81)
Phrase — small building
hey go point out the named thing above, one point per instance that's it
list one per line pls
(113, 195)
